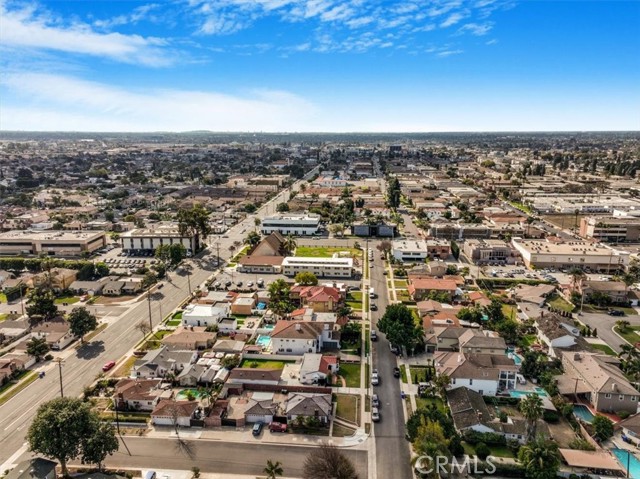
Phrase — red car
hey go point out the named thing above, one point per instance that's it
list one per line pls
(277, 427)
(108, 366)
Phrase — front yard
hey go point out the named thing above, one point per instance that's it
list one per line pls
(125, 368)
(347, 408)
(262, 364)
(629, 334)
(561, 304)
(354, 300)
(351, 374)
(67, 300)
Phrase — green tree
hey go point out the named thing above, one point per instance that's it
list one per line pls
(441, 383)
(150, 278)
(64, 429)
(603, 427)
(279, 301)
(400, 327)
(282, 208)
(289, 245)
(81, 321)
(327, 461)
(306, 278)
(273, 469)
(194, 221)
(540, 459)
(252, 239)
(531, 408)
(102, 442)
(37, 347)
(171, 254)
(41, 305)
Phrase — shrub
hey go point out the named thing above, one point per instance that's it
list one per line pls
(482, 450)
(624, 414)
(48, 357)
(550, 416)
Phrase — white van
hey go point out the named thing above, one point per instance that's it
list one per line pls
(372, 293)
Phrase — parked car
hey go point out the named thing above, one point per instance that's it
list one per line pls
(615, 312)
(375, 401)
(396, 372)
(257, 429)
(374, 335)
(375, 414)
(373, 307)
(375, 378)
(277, 427)
(108, 366)
(394, 349)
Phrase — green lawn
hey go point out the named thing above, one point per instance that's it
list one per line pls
(325, 251)
(162, 333)
(13, 387)
(403, 295)
(418, 372)
(403, 373)
(604, 348)
(509, 311)
(423, 403)
(400, 283)
(3, 298)
(351, 374)
(354, 300)
(174, 322)
(528, 339)
(3, 316)
(347, 407)
(560, 303)
(262, 364)
(341, 431)
(177, 315)
(630, 334)
(497, 451)
(67, 299)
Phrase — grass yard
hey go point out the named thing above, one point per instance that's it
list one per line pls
(604, 348)
(418, 373)
(423, 403)
(347, 407)
(67, 300)
(403, 373)
(262, 364)
(400, 283)
(174, 322)
(13, 387)
(403, 295)
(560, 303)
(3, 298)
(3, 316)
(528, 339)
(177, 315)
(125, 368)
(630, 334)
(351, 374)
(326, 251)
(501, 451)
(509, 311)
(161, 334)
(354, 300)
(341, 431)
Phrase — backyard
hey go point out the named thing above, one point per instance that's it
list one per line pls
(561, 304)
(263, 364)
(326, 251)
(351, 374)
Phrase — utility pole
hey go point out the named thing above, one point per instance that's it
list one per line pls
(59, 361)
(189, 280)
(149, 303)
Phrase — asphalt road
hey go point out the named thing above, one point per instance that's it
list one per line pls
(605, 323)
(217, 456)
(81, 366)
(392, 450)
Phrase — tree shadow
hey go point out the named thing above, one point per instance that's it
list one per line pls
(186, 448)
(91, 350)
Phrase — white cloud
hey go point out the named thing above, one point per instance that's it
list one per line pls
(452, 19)
(477, 29)
(138, 14)
(53, 102)
(24, 28)
(448, 53)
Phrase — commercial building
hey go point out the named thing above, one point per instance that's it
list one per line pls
(299, 225)
(381, 230)
(148, 239)
(489, 251)
(587, 256)
(52, 243)
(611, 229)
(419, 250)
(454, 231)
(322, 267)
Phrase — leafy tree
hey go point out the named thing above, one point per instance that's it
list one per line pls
(171, 254)
(385, 247)
(289, 244)
(194, 221)
(252, 239)
(441, 383)
(279, 301)
(101, 270)
(282, 208)
(400, 327)
(393, 193)
(37, 347)
(328, 461)
(81, 321)
(603, 427)
(431, 441)
(65, 428)
(150, 278)
(273, 469)
(482, 450)
(102, 442)
(472, 315)
(540, 459)
(41, 305)
(230, 362)
(306, 278)
(531, 408)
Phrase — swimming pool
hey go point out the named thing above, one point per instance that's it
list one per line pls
(268, 326)
(581, 411)
(516, 358)
(263, 340)
(625, 457)
(520, 394)
(185, 392)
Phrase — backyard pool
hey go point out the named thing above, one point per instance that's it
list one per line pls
(185, 392)
(263, 340)
(581, 411)
(625, 457)
(516, 358)
(520, 394)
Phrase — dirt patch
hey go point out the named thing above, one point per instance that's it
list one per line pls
(113, 299)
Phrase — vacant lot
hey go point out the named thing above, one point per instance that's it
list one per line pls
(561, 304)
(124, 369)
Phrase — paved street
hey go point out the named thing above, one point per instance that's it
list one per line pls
(605, 323)
(216, 456)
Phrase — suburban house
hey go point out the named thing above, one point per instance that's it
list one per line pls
(190, 338)
(139, 394)
(36, 468)
(113, 288)
(244, 304)
(56, 333)
(321, 299)
(442, 337)
(475, 341)
(616, 291)
(470, 412)
(300, 337)
(597, 379)
(91, 288)
(169, 412)
(487, 374)
(228, 325)
(631, 428)
(535, 294)
(419, 289)
(204, 314)
(315, 368)
(556, 333)
(157, 363)
(308, 405)
(478, 298)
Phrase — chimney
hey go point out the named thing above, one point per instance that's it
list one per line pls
(614, 387)
(577, 357)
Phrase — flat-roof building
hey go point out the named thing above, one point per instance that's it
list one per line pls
(321, 267)
(482, 251)
(419, 250)
(611, 229)
(52, 243)
(148, 239)
(299, 225)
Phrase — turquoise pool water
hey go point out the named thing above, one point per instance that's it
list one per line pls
(268, 326)
(583, 412)
(263, 340)
(634, 463)
(520, 394)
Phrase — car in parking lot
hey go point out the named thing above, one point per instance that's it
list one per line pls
(249, 284)
(257, 429)
(375, 414)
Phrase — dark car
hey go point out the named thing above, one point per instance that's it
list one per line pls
(615, 312)
(257, 429)
(396, 372)
(374, 307)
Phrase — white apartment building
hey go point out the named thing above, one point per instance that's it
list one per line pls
(204, 314)
(51, 243)
(406, 250)
(298, 225)
(335, 267)
(148, 239)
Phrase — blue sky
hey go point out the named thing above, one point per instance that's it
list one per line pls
(320, 65)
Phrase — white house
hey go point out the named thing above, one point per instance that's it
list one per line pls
(204, 314)
(227, 325)
(316, 367)
(300, 337)
(555, 333)
(169, 413)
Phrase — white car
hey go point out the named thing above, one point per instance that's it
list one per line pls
(375, 414)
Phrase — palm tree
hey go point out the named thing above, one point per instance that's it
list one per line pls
(257, 223)
(628, 352)
(577, 275)
(622, 325)
(252, 239)
(531, 409)
(540, 459)
(289, 244)
(273, 469)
